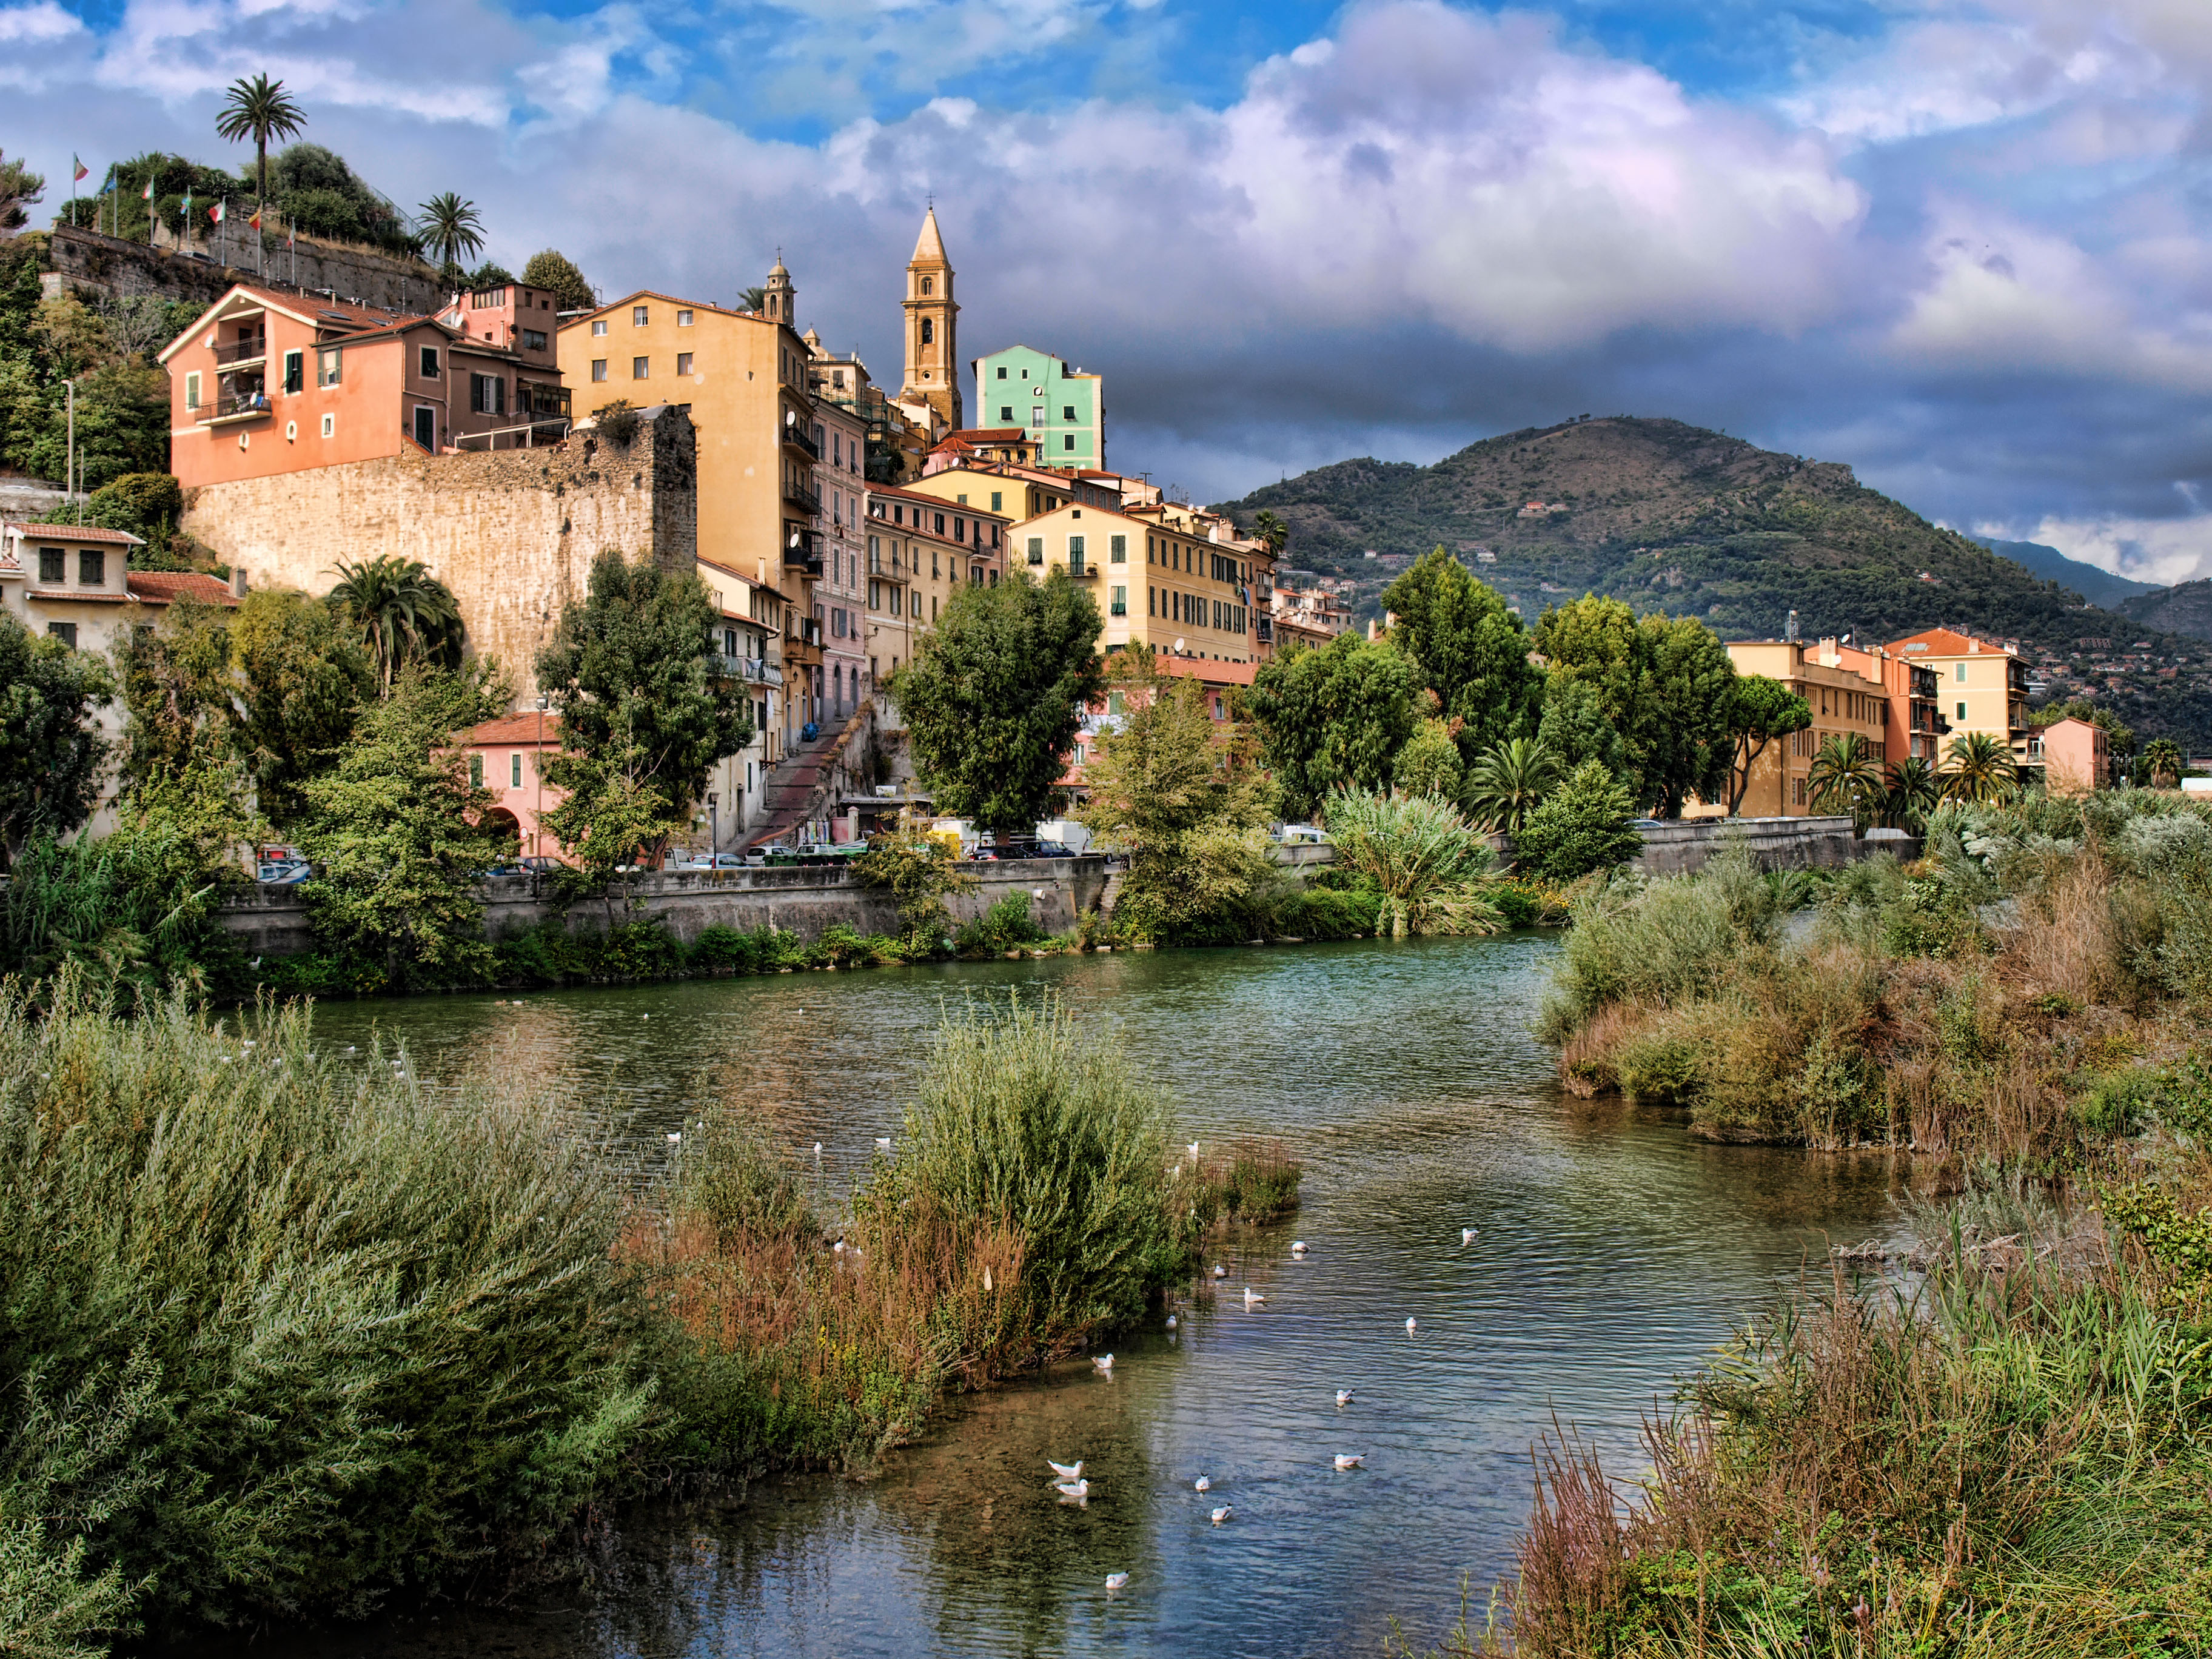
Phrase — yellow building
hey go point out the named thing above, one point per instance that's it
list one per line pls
(921, 550)
(1159, 587)
(1843, 704)
(1980, 686)
(744, 375)
(1014, 492)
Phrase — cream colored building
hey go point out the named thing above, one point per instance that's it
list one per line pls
(1014, 492)
(750, 645)
(1843, 704)
(931, 389)
(1158, 586)
(1980, 686)
(921, 550)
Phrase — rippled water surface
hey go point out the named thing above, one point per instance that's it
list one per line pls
(1613, 1253)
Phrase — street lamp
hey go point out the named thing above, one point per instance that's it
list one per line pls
(713, 830)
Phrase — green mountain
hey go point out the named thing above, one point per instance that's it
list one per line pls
(2185, 608)
(2098, 586)
(1671, 517)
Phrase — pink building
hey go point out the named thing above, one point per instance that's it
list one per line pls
(504, 756)
(2077, 757)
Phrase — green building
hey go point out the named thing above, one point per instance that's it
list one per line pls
(1063, 409)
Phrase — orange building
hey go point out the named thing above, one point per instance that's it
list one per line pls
(2076, 756)
(269, 381)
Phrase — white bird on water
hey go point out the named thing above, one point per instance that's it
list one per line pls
(1078, 1490)
(1299, 1246)
(1409, 1325)
(1204, 1483)
(1220, 1272)
(1467, 1235)
(1171, 1322)
(1104, 1362)
(1065, 1471)
(1221, 1514)
(1115, 1580)
(1344, 1396)
(1193, 1149)
(1252, 1298)
(884, 1141)
(1347, 1461)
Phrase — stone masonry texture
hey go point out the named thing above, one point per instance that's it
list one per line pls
(91, 262)
(512, 533)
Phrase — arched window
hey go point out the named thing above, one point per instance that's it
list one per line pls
(928, 329)
(926, 283)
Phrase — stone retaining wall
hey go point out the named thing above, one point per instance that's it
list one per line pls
(1677, 849)
(273, 922)
(89, 262)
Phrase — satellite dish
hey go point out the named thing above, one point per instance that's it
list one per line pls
(790, 417)
(1178, 646)
(794, 538)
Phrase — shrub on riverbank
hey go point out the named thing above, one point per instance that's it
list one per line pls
(1974, 1003)
(2013, 1461)
(1252, 1181)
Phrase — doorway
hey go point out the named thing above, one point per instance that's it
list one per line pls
(426, 426)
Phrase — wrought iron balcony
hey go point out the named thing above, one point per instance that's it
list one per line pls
(235, 406)
(238, 353)
(804, 498)
(799, 439)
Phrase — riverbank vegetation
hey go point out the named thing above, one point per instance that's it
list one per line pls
(289, 1334)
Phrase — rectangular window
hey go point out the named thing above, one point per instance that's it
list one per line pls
(637, 317)
(1958, 670)
(533, 339)
(683, 362)
(940, 518)
(998, 500)
(428, 367)
(53, 565)
(1002, 373)
(330, 363)
(295, 370)
(1962, 711)
(1075, 550)
(959, 530)
(486, 394)
(192, 390)
(1036, 549)
(1067, 440)
(476, 771)
(330, 426)
(515, 771)
(65, 632)
(599, 368)
(1005, 411)
(895, 611)
(91, 567)
(1121, 605)
(1117, 549)
(683, 319)
(599, 326)
(640, 368)
(1067, 413)
(1797, 795)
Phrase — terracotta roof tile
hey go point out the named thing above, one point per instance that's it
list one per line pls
(163, 586)
(86, 532)
(512, 730)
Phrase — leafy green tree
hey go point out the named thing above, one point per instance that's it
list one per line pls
(1910, 794)
(994, 696)
(557, 273)
(452, 230)
(2163, 756)
(1510, 782)
(1430, 764)
(1576, 727)
(1681, 741)
(490, 274)
(646, 711)
(1430, 863)
(1978, 767)
(1176, 791)
(918, 869)
(1844, 777)
(396, 834)
(400, 612)
(177, 688)
(2119, 736)
(52, 754)
(1471, 649)
(1334, 717)
(616, 816)
(1584, 824)
(259, 109)
(301, 678)
(147, 505)
(21, 190)
(1759, 711)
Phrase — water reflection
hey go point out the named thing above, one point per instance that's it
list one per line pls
(1612, 1254)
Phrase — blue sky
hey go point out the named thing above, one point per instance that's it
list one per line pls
(1962, 245)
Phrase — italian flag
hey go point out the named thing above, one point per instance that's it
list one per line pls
(78, 172)
(147, 194)
(214, 213)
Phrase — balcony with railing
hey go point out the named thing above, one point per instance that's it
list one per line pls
(802, 551)
(1265, 626)
(527, 436)
(1080, 569)
(237, 353)
(804, 497)
(799, 440)
(234, 406)
(758, 670)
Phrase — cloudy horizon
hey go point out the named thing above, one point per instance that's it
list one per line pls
(1959, 247)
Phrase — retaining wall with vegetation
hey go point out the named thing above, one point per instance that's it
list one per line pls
(1680, 847)
(273, 922)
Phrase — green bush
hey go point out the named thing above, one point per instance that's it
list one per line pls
(1324, 912)
(1582, 825)
(1001, 928)
(1662, 1066)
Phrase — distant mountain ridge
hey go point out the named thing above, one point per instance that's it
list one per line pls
(1676, 518)
(2185, 608)
(2094, 583)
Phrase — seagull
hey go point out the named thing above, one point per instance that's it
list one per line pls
(1220, 1272)
(1409, 1325)
(1171, 1322)
(1193, 1149)
(1298, 1248)
(1252, 1298)
(1221, 1514)
(674, 1136)
(1115, 1580)
(817, 1149)
(882, 1140)
(1344, 1396)
(1104, 1363)
(1346, 1460)
(1065, 1471)
(1204, 1483)
(1078, 1490)
(1467, 1235)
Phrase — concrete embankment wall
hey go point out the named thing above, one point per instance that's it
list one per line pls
(798, 900)
(1678, 849)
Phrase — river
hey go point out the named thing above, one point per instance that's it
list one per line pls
(1613, 1253)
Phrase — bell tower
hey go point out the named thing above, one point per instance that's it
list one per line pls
(932, 355)
(779, 299)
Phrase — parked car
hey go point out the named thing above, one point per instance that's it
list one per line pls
(1053, 850)
(286, 872)
(706, 861)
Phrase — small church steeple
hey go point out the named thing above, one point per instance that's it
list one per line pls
(932, 354)
(779, 299)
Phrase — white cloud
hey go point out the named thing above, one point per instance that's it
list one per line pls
(37, 25)
(2161, 551)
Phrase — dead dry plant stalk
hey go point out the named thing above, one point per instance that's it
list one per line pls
(2068, 944)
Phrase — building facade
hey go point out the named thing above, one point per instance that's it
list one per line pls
(751, 651)
(2076, 756)
(1063, 409)
(1159, 587)
(840, 435)
(1981, 686)
(1844, 703)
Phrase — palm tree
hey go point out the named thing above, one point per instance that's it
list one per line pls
(20, 188)
(2163, 757)
(1911, 795)
(403, 612)
(451, 229)
(1976, 766)
(1272, 531)
(1509, 781)
(752, 299)
(259, 109)
(1844, 777)
(1432, 864)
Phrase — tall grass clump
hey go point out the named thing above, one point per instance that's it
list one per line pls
(1250, 1180)
(284, 1335)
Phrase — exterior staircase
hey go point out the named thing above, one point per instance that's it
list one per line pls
(804, 783)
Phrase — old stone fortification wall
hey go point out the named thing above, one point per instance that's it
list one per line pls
(89, 262)
(512, 532)
(801, 900)
(1673, 849)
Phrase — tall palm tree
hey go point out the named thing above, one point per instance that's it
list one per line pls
(1911, 794)
(451, 229)
(1845, 777)
(1977, 767)
(403, 612)
(2163, 756)
(1509, 781)
(1272, 531)
(259, 109)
